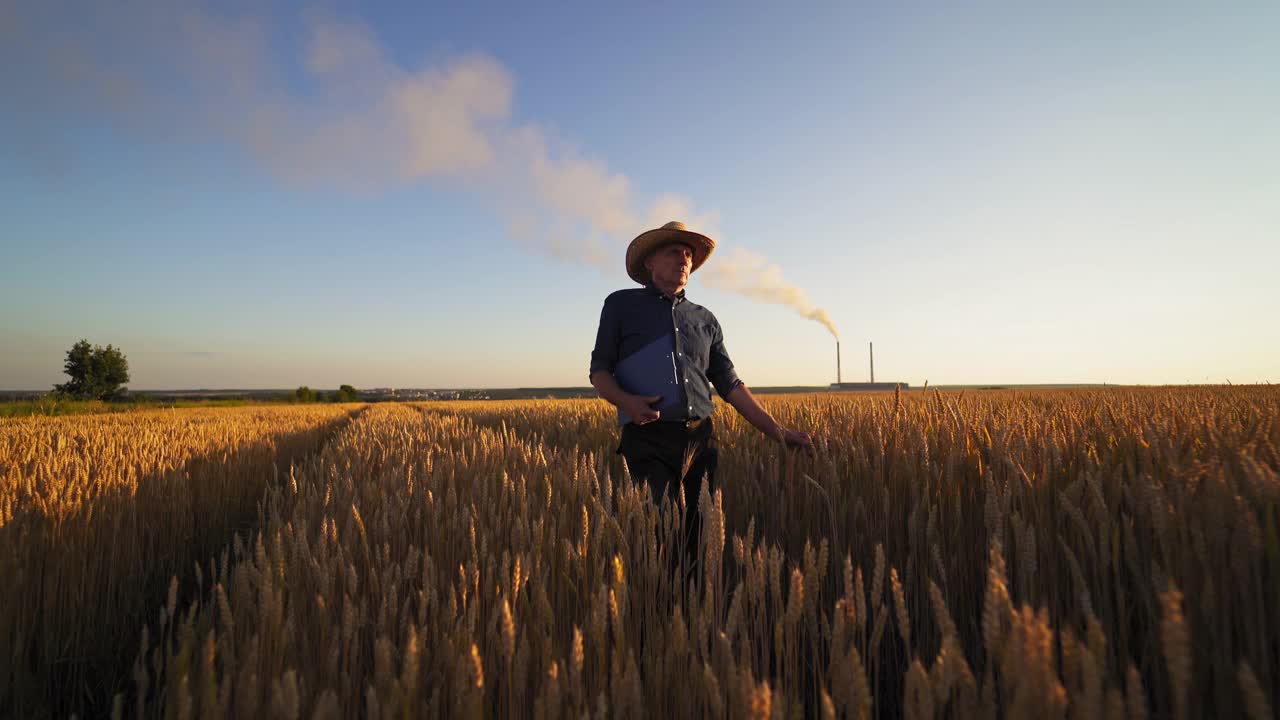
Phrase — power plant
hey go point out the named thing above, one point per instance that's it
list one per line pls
(840, 384)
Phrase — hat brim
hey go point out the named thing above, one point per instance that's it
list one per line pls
(650, 240)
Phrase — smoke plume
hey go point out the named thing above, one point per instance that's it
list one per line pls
(753, 276)
(335, 111)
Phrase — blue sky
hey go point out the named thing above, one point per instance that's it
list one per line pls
(400, 195)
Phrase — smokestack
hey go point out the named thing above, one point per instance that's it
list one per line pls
(872, 347)
(838, 381)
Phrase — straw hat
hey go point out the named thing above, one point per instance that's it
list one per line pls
(650, 240)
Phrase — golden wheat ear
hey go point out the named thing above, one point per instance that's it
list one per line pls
(690, 452)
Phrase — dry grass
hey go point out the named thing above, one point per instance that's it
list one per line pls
(1080, 553)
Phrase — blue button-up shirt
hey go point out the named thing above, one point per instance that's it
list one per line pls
(681, 339)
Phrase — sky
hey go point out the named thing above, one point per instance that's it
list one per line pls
(245, 195)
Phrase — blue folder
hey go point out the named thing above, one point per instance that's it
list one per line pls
(651, 370)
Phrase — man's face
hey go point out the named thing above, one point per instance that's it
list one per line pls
(670, 265)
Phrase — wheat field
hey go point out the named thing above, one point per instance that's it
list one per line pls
(1005, 554)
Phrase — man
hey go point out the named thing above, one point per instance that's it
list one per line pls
(657, 357)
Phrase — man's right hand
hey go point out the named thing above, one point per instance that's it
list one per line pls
(638, 407)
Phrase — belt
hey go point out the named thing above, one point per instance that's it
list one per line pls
(686, 424)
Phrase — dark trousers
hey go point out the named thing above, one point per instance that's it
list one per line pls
(668, 456)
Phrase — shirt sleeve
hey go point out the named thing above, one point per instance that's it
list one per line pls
(720, 368)
(605, 354)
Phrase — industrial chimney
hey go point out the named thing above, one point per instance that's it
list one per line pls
(840, 384)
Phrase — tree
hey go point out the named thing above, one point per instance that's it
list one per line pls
(304, 394)
(97, 373)
(346, 393)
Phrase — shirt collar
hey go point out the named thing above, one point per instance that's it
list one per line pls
(654, 289)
